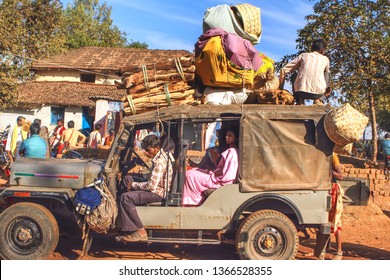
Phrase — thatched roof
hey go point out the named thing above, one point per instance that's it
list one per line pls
(66, 93)
(101, 58)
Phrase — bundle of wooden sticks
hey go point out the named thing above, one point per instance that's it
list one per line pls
(157, 85)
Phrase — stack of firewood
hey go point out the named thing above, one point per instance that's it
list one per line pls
(157, 85)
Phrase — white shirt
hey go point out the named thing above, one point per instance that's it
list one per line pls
(313, 72)
(94, 139)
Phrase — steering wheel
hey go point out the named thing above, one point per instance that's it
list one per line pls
(139, 160)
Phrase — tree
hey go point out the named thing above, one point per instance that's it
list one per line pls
(357, 34)
(35, 29)
(89, 24)
(30, 30)
(137, 45)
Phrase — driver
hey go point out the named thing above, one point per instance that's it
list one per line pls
(140, 193)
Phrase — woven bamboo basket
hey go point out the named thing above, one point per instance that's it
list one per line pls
(250, 17)
(345, 125)
(343, 150)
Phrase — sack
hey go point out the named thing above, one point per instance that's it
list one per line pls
(224, 96)
(345, 125)
(104, 216)
(62, 148)
(86, 200)
(216, 70)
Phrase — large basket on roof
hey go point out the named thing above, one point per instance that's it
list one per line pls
(345, 124)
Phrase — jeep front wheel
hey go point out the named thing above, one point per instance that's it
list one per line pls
(28, 231)
(267, 235)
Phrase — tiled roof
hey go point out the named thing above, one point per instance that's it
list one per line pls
(101, 58)
(66, 93)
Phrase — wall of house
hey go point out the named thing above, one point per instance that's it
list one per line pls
(42, 113)
(74, 114)
(101, 109)
(72, 76)
(9, 116)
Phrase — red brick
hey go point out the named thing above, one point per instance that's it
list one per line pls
(381, 192)
(385, 187)
(375, 193)
(380, 176)
(371, 175)
(387, 193)
(360, 175)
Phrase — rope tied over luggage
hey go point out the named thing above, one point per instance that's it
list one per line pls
(180, 69)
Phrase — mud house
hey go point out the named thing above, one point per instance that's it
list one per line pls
(79, 85)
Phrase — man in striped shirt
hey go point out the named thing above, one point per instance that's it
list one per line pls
(140, 193)
(312, 80)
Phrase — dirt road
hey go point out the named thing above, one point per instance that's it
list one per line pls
(365, 236)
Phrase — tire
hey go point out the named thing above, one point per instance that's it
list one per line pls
(267, 235)
(28, 231)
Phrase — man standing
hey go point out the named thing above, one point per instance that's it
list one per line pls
(336, 210)
(73, 136)
(95, 138)
(312, 80)
(384, 148)
(140, 193)
(57, 132)
(34, 146)
(15, 137)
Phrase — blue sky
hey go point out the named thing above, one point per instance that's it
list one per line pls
(177, 24)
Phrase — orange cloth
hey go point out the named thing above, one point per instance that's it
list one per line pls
(216, 70)
(336, 210)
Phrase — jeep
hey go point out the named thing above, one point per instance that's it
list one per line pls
(282, 185)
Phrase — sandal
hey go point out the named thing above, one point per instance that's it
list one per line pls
(338, 256)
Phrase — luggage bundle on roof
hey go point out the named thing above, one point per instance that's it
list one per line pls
(229, 68)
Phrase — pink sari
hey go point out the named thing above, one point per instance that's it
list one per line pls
(199, 180)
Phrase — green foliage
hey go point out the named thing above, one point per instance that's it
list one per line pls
(35, 29)
(31, 30)
(89, 24)
(137, 45)
(383, 111)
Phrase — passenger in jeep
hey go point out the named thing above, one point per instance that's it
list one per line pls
(199, 180)
(140, 193)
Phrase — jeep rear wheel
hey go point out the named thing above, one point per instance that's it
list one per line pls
(267, 234)
(28, 231)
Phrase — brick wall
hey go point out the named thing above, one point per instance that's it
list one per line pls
(378, 183)
(93, 152)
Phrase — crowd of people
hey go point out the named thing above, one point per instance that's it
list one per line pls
(33, 140)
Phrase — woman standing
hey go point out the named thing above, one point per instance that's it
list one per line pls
(199, 180)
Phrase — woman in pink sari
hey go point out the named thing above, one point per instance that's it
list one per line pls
(199, 180)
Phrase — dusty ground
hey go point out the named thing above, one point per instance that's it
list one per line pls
(365, 236)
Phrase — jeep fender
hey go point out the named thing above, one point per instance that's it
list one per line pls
(279, 203)
(63, 195)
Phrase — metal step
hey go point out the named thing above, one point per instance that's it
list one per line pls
(183, 240)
